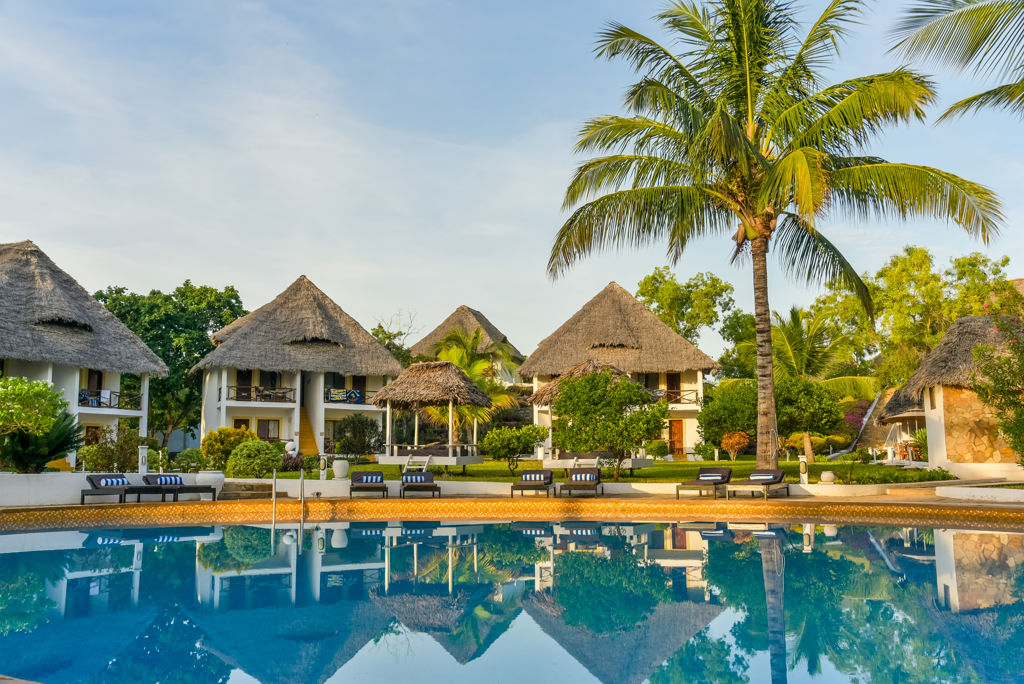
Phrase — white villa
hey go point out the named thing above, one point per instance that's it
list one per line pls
(292, 369)
(615, 329)
(52, 329)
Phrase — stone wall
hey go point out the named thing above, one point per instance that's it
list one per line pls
(971, 433)
(986, 567)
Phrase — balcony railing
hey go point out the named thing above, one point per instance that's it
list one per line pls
(114, 399)
(277, 395)
(680, 396)
(343, 396)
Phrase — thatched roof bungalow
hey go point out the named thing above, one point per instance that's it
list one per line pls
(962, 432)
(468, 320)
(300, 348)
(615, 329)
(546, 395)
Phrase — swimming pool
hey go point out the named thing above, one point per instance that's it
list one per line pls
(548, 601)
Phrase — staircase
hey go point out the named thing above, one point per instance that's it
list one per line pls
(307, 439)
(414, 463)
(234, 491)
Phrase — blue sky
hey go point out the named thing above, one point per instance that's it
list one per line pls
(404, 154)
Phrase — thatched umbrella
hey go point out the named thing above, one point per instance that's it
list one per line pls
(951, 362)
(901, 405)
(45, 315)
(546, 395)
(468, 320)
(431, 383)
(615, 329)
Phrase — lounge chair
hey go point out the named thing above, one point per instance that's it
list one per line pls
(173, 484)
(368, 481)
(419, 482)
(708, 480)
(116, 484)
(760, 481)
(534, 480)
(583, 479)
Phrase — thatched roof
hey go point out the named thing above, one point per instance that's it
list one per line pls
(302, 329)
(468, 320)
(45, 315)
(545, 396)
(431, 383)
(614, 328)
(902, 404)
(429, 608)
(951, 362)
(630, 656)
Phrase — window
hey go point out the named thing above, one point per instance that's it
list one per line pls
(241, 424)
(94, 380)
(334, 381)
(270, 379)
(268, 430)
(931, 398)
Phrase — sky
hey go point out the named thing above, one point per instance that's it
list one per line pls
(405, 155)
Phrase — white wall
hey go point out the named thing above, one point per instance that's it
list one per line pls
(49, 489)
(935, 424)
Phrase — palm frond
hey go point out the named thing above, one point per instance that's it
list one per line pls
(645, 55)
(602, 174)
(797, 178)
(605, 133)
(1009, 96)
(856, 386)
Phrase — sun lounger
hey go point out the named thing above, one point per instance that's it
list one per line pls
(368, 481)
(173, 484)
(708, 480)
(534, 480)
(760, 481)
(116, 484)
(419, 482)
(582, 479)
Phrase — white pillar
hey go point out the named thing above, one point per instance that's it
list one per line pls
(415, 427)
(144, 405)
(224, 397)
(387, 431)
(474, 428)
(451, 426)
(451, 563)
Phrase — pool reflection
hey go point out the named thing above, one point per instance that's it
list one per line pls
(623, 602)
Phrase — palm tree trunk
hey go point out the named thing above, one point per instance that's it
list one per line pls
(766, 446)
(773, 566)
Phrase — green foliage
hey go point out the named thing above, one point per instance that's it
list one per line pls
(248, 545)
(26, 452)
(737, 327)
(253, 458)
(24, 604)
(28, 406)
(360, 435)
(607, 595)
(509, 549)
(190, 460)
(509, 443)
(116, 452)
(705, 451)
(885, 475)
(730, 407)
(394, 334)
(177, 327)
(686, 307)
(218, 445)
(920, 442)
(601, 412)
(703, 660)
(1000, 382)
(657, 448)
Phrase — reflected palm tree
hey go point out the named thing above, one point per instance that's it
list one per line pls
(773, 569)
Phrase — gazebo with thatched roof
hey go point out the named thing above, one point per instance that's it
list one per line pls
(468, 320)
(962, 433)
(904, 416)
(292, 368)
(431, 383)
(52, 329)
(615, 329)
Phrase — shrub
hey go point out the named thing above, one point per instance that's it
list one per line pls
(920, 442)
(657, 448)
(735, 442)
(29, 406)
(116, 452)
(360, 435)
(219, 444)
(190, 461)
(836, 442)
(509, 443)
(705, 450)
(730, 407)
(29, 453)
(253, 458)
(248, 545)
(630, 590)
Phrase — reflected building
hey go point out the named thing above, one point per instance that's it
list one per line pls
(977, 570)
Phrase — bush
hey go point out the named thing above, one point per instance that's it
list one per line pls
(253, 458)
(657, 448)
(836, 442)
(190, 461)
(508, 443)
(219, 444)
(360, 435)
(705, 450)
(735, 442)
(730, 407)
(29, 406)
(29, 453)
(116, 452)
(249, 545)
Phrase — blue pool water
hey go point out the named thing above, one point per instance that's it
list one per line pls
(537, 602)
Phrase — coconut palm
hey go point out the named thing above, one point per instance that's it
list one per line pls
(807, 346)
(496, 357)
(986, 36)
(740, 127)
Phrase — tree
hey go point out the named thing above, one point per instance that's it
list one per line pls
(629, 590)
(730, 407)
(736, 328)
(603, 412)
(29, 453)
(735, 442)
(509, 443)
(686, 307)
(29, 406)
(24, 604)
(1000, 384)
(177, 327)
(981, 35)
(394, 334)
(742, 128)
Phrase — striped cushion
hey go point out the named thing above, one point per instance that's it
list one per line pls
(371, 533)
(414, 531)
(165, 539)
(372, 478)
(107, 541)
(413, 478)
(584, 477)
(762, 476)
(533, 477)
(114, 482)
(710, 477)
(169, 480)
(585, 532)
(535, 533)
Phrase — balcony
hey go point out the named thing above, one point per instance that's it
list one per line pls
(110, 399)
(343, 396)
(272, 395)
(680, 396)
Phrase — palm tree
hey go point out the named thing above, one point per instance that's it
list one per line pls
(741, 127)
(984, 35)
(807, 346)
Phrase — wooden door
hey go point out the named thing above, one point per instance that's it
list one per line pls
(675, 437)
(359, 385)
(243, 385)
(672, 386)
(95, 380)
